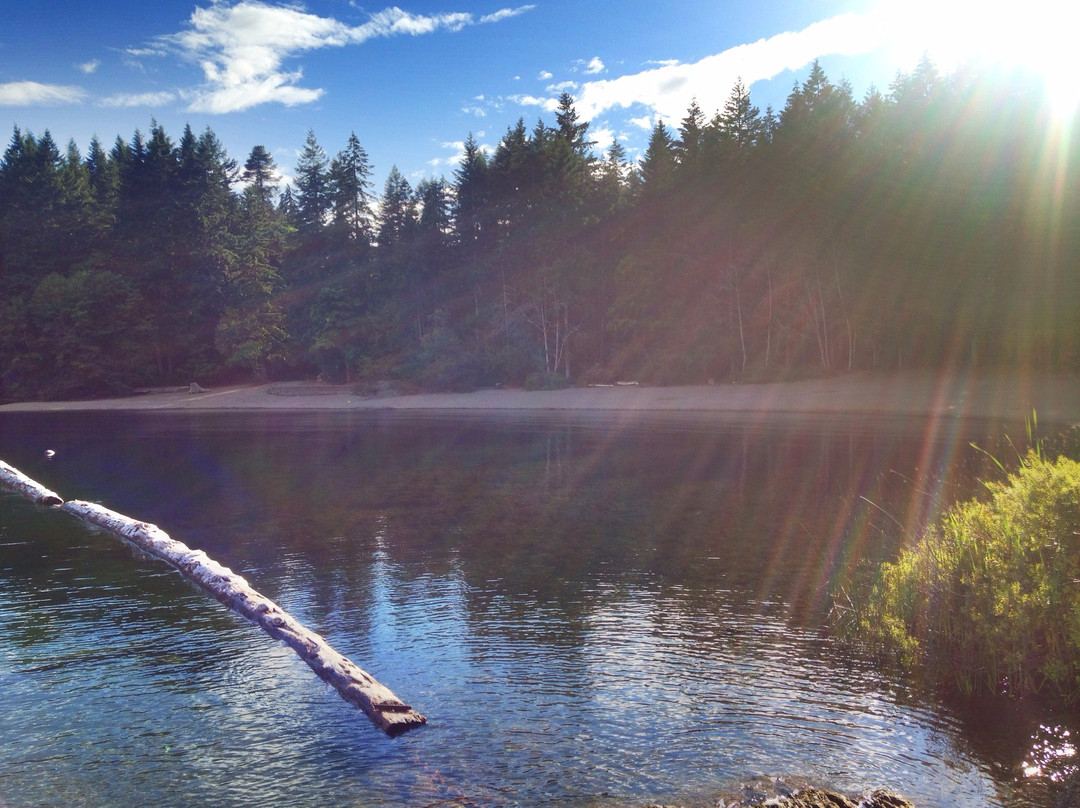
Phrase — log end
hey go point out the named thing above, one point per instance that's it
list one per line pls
(395, 723)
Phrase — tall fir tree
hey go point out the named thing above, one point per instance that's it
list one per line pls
(313, 188)
(350, 193)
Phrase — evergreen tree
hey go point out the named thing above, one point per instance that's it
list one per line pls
(513, 178)
(350, 189)
(566, 160)
(433, 227)
(740, 122)
(470, 194)
(613, 186)
(660, 161)
(313, 188)
(31, 202)
(397, 214)
(260, 174)
(570, 129)
(691, 146)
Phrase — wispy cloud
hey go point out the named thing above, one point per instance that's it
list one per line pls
(242, 48)
(122, 100)
(34, 94)
(89, 67)
(505, 14)
(548, 104)
(562, 86)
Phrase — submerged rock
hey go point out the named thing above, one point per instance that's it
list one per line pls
(819, 798)
(823, 798)
(784, 797)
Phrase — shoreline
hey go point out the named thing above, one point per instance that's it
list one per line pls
(1055, 398)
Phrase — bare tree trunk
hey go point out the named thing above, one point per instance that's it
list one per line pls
(817, 317)
(826, 358)
(843, 309)
(768, 330)
(738, 311)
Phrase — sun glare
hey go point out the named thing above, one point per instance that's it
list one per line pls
(1034, 35)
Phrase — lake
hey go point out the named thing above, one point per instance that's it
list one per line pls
(590, 609)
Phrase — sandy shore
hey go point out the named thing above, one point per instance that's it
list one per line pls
(1011, 397)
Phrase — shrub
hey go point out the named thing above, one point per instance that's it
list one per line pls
(546, 381)
(990, 598)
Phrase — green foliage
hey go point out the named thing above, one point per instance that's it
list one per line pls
(546, 381)
(251, 338)
(444, 362)
(85, 334)
(989, 600)
(930, 227)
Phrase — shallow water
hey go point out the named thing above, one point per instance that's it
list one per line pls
(590, 609)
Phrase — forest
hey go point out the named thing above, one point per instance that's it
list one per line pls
(933, 226)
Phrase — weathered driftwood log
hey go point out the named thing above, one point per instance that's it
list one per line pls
(353, 683)
(11, 477)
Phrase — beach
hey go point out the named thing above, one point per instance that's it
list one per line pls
(1006, 396)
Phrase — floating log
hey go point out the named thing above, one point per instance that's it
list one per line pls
(11, 477)
(354, 684)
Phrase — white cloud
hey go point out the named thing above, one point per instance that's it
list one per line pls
(505, 14)
(545, 75)
(89, 67)
(594, 66)
(33, 94)
(549, 104)
(668, 89)
(561, 87)
(138, 100)
(457, 149)
(242, 48)
(602, 136)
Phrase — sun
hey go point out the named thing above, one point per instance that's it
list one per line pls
(1037, 36)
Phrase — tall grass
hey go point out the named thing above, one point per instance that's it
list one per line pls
(989, 599)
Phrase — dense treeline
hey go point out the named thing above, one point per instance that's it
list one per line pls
(936, 225)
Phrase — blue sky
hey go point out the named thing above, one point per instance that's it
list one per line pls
(414, 80)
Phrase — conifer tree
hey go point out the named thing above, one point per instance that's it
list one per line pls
(660, 161)
(470, 194)
(260, 174)
(350, 193)
(690, 148)
(313, 187)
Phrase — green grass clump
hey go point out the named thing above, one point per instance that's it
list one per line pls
(989, 600)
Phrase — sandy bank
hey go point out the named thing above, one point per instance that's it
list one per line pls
(1056, 398)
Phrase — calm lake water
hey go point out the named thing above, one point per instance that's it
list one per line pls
(590, 609)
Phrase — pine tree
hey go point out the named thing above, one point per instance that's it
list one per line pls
(350, 193)
(570, 129)
(691, 145)
(740, 122)
(313, 187)
(470, 193)
(660, 161)
(260, 174)
(31, 201)
(396, 213)
(613, 187)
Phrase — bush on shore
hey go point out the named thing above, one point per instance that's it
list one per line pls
(989, 600)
